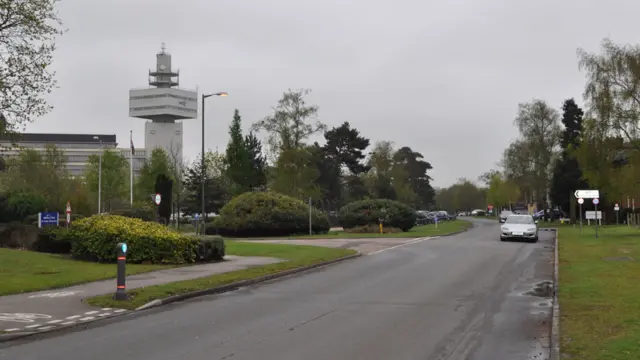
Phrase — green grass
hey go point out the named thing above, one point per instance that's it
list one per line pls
(26, 271)
(296, 256)
(445, 227)
(599, 300)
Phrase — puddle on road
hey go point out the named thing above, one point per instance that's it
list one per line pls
(542, 289)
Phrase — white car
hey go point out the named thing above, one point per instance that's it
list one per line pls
(522, 227)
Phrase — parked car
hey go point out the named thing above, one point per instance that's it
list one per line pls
(503, 216)
(522, 227)
(424, 217)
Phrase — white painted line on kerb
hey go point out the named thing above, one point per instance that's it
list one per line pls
(45, 328)
(73, 317)
(12, 330)
(401, 245)
(87, 318)
(120, 310)
(104, 314)
(68, 323)
(54, 321)
(32, 326)
(91, 312)
(106, 309)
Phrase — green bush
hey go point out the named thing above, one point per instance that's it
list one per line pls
(53, 241)
(266, 214)
(95, 238)
(18, 205)
(368, 212)
(19, 236)
(210, 248)
(146, 213)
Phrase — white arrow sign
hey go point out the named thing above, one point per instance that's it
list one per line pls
(587, 194)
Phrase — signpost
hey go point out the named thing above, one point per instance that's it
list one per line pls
(157, 198)
(617, 210)
(596, 201)
(68, 211)
(435, 219)
(587, 194)
(580, 202)
(48, 219)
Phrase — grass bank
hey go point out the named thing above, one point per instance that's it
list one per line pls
(296, 256)
(27, 271)
(599, 293)
(443, 228)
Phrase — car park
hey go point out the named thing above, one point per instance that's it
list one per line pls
(519, 227)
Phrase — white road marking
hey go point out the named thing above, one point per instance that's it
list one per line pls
(32, 326)
(11, 330)
(55, 294)
(87, 318)
(68, 323)
(54, 321)
(405, 244)
(73, 317)
(91, 312)
(105, 314)
(105, 309)
(120, 310)
(45, 328)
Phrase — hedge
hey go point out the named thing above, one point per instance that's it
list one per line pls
(368, 212)
(266, 214)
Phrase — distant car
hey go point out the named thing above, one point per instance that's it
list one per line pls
(503, 216)
(522, 227)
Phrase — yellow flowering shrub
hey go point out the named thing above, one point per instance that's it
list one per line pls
(96, 238)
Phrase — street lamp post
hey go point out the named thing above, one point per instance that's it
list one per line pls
(99, 177)
(203, 175)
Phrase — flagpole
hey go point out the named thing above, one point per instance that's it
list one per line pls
(131, 169)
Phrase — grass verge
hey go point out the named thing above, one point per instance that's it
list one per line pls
(296, 256)
(443, 228)
(27, 271)
(599, 306)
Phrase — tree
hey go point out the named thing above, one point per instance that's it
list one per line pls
(163, 186)
(216, 191)
(539, 128)
(414, 169)
(612, 90)
(380, 175)
(177, 168)
(329, 178)
(257, 178)
(237, 158)
(158, 163)
(567, 175)
(115, 175)
(296, 175)
(28, 30)
(347, 146)
(290, 125)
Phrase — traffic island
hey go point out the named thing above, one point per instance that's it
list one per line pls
(296, 258)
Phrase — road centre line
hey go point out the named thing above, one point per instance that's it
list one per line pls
(415, 241)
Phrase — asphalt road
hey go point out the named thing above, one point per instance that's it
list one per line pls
(465, 297)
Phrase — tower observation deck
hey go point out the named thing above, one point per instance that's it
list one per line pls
(163, 103)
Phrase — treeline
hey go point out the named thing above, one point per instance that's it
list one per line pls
(333, 174)
(596, 148)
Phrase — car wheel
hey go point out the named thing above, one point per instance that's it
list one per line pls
(503, 239)
(535, 239)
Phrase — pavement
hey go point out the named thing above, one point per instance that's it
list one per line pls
(46, 310)
(463, 297)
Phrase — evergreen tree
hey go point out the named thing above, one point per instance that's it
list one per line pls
(258, 170)
(567, 176)
(237, 158)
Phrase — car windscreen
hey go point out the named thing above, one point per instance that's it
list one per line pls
(519, 220)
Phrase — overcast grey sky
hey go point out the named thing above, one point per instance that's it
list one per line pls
(443, 77)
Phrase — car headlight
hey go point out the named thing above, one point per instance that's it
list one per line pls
(531, 230)
(504, 229)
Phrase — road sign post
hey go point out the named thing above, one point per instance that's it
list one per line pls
(121, 287)
(595, 203)
(68, 211)
(580, 202)
(617, 210)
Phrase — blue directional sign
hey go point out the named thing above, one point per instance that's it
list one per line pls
(596, 201)
(48, 219)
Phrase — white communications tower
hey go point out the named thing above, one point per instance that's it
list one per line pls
(163, 103)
